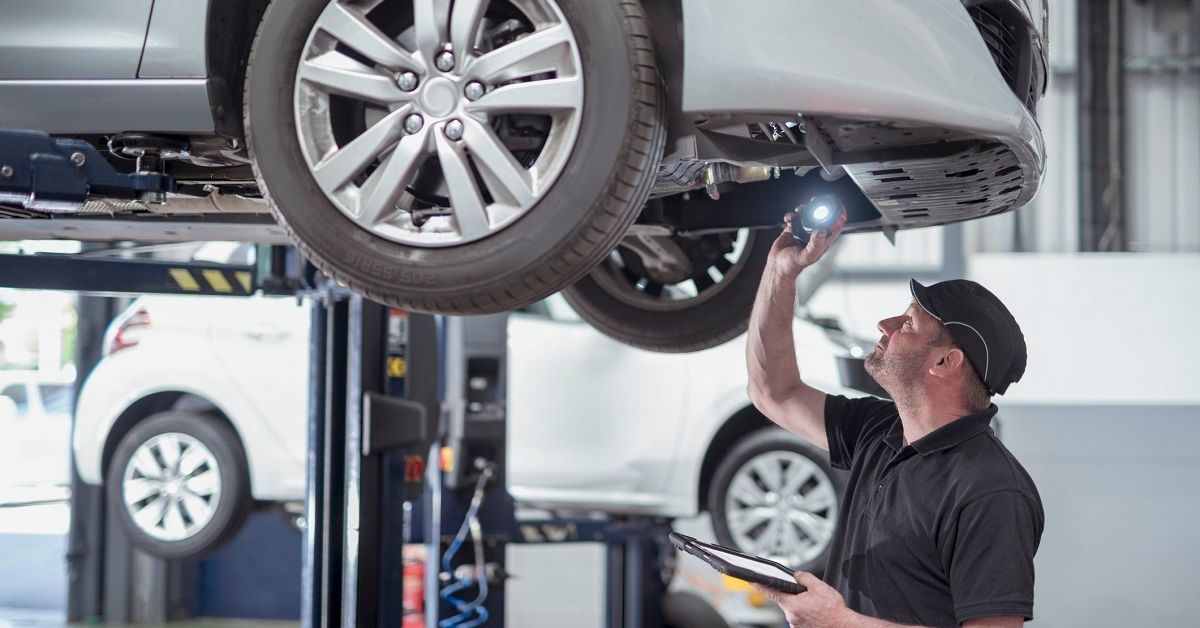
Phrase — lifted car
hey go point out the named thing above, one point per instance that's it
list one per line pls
(478, 155)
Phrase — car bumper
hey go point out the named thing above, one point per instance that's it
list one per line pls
(906, 95)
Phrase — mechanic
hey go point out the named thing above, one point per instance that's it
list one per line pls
(939, 523)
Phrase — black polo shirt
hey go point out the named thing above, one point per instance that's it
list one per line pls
(933, 533)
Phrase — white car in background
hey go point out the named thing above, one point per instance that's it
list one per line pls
(198, 411)
(35, 421)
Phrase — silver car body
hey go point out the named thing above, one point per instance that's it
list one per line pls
(919, 66)
(69, 66)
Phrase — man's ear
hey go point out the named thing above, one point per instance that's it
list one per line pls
(948, 362)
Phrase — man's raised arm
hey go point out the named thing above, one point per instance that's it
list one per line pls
(775, 386)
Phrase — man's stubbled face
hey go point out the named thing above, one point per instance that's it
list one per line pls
(901, 355)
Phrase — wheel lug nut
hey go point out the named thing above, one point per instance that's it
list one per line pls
(413, 123)
(474, 90)
(454, 130)
(444, 61)
(407, 81)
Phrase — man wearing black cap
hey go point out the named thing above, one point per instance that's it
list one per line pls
(939, 523)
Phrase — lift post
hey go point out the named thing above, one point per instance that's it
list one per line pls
(407, 413)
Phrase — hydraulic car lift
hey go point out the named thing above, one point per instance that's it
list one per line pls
(383, 423)
(407, 427)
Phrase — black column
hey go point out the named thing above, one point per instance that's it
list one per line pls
(85, 543)
(1102, 217)
(325, 505)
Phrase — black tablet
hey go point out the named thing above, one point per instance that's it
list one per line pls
(738, 565)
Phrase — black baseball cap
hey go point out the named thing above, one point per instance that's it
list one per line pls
(981, 325)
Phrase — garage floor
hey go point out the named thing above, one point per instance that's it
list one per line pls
(33, 585)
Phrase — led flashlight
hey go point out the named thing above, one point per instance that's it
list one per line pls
(821, 213)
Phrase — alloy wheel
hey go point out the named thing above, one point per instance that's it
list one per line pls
(171, 486)
(669, 272)
(783, 506)
(436, 123)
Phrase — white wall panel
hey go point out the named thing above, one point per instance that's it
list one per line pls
(1162, 143)
(1162, 159)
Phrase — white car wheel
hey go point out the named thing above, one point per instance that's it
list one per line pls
(171, 486)
(179, 484)
(775, 496)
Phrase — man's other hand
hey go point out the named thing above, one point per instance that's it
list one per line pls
(821, 606)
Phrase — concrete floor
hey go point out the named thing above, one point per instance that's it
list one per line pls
(33, 578)
(13, 618)
(33, 544)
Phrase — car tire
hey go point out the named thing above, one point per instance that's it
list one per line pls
(683, 609)
(618, 302)
(778, 449)
(579, 219)
(201, 440)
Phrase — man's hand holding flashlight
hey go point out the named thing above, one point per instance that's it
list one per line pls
(789, 258)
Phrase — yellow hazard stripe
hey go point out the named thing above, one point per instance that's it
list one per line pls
(217, 281)
(184, 279)
(243, 278)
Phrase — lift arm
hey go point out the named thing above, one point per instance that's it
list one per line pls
(55, 175)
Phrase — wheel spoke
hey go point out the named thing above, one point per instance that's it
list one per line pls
(543, 51)
(746, 491)
(819, 498)
(198, 510)
(513, 180)
(137, 490)
(192, 459)
(173, 523)
(339, 74)
(723, 264)
(741, 522)
(768, 469)
(429, 18)
(549, 96)
(349, 161)
(204, 484)
(703, 282)
(798, 474)
(149, 517)
(816, 528)
(146, 465)
(769, 537)
(470, 210)
(352, 28)
(169, 449)
(790, 543)
(464, 24)
(384, 187)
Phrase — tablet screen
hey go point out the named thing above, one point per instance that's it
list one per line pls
(750, 564)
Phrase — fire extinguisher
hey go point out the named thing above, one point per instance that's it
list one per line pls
(413, 591)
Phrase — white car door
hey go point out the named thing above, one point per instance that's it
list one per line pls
(262, 343)
(591, 421)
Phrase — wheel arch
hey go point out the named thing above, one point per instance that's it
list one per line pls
(229, 34)
(154, 403)
(741, 424)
